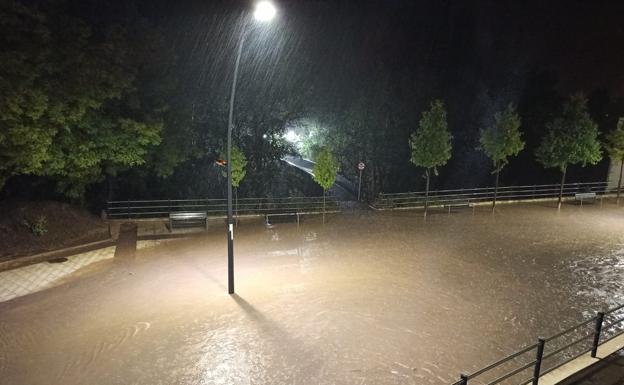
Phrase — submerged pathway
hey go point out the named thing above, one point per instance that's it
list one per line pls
(387, 300)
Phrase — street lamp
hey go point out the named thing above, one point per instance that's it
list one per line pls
(264, 12)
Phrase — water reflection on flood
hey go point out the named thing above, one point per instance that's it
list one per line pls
(366, 299)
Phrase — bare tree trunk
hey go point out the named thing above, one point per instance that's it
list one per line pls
(495, 189)
(372, 182)
(563, 175)
(426, 193)
(617, 200)
(109, 185)
(236, 205)
(323, 206)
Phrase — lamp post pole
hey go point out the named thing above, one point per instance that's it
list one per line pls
(264, 12)
(230, 219)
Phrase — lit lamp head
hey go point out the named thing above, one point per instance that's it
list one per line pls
(265, 11)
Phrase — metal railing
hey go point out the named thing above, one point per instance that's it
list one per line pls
(410, 200)
(217, 208)
(551, 353)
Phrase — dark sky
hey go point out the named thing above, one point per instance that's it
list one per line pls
(581, 41)
(478, 56)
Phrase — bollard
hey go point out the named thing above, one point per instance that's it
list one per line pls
(538, 360)
(597, 331)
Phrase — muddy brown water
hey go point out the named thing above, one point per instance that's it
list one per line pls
(369, 298)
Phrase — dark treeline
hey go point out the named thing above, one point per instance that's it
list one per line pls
(128, 99)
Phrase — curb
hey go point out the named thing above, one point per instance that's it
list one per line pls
(48, 255)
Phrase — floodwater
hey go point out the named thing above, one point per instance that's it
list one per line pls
(369, 298)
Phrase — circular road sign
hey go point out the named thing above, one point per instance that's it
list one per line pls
(361, 166)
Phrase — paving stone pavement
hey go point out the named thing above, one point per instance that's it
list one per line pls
(29, 279)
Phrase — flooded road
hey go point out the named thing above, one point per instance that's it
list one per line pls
(369, 298)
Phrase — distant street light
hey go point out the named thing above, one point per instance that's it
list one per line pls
(291, 136)
(264, 12)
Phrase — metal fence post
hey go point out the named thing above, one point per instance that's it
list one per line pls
(463, 379)
(597, 331)
(538, 360)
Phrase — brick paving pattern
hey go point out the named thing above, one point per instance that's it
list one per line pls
(29, 279)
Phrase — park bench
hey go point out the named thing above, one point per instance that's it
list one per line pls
(282, 217)
(459, 205)
(585, 196)
(188, 220)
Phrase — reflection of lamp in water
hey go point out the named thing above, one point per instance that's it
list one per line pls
(264, 12)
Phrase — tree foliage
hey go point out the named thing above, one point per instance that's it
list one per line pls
(239, 166)
(431, 143)
(325, 169)
(503, 139)
(571, 138)
(615, 141)
(69, 109)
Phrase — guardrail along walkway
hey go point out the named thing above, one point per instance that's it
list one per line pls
(410, 200)
(217, 208)
(541, 360)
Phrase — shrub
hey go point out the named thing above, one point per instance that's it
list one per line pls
(39, 227)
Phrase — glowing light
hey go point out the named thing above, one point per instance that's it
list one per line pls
(291, 136)
(265, 11)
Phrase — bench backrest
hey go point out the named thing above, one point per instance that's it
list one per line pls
(187, 215)
(585, 195)
(459, 203)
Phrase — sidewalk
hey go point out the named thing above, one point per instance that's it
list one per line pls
(44, 271)
(609, 371)
(32, 278)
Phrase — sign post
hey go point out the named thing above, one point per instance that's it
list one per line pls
(361, 167)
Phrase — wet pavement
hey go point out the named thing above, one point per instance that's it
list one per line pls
(29, 279)
(369, 298)
(608, 372)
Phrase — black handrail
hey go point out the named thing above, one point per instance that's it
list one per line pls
(416, 199)
(218, 207)
(598, 339)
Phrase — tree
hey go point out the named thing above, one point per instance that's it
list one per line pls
(615, 149)
(431, 143)
(239, 170)
(502, 140)
(571, 138)
(325, 172)
(69, 106)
